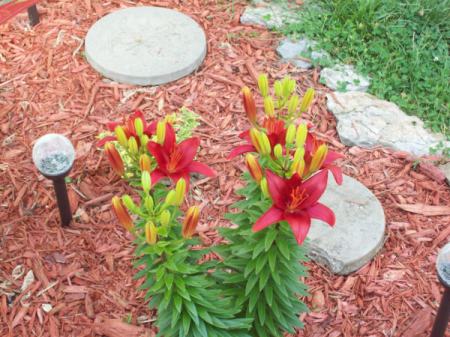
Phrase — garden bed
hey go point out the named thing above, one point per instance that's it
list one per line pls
(85, 272)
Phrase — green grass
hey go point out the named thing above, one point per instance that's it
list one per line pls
(402, 45)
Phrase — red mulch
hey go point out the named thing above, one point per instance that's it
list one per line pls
(85, 271)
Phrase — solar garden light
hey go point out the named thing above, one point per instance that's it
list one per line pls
(443, 270)
(53, 156)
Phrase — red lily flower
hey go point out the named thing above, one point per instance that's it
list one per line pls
(275, 130)
(129, 128)
(176, 161)
(296, 202)
(311, 146)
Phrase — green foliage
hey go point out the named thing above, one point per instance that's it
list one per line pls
(262, 270)
(186, 121)
(402, 45)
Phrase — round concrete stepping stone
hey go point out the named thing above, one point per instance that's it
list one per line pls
(145, 45)
(359, 230)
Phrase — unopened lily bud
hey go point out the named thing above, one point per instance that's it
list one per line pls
(190, 222)
(129, 204)
(180, 191)
(254, 133)
(288, 86)
(278, 88)
(253, 167)
(133, 145)
(144, 141)
(122, 214)
(269, 107)
(290, 134)
(307, 100)
(264, 143)
(249, 104)
(318, 158)
(263, 84)
(170, 118)
(171, 198)
(293, 104)
(300, 169)
(278, 151)
(145, 163)
(299, 154)
(146, 181)
(164, 218)
(300, 138)
(265, 187)
(151, 235)
(139, 126)
(160, 132)
(114, 158)
(121, 136)
(149, 203)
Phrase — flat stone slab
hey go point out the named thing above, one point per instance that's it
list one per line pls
(269, 14)
(359, 230)
(344, 78)
(366, 121)
(145, 45)
(295, 52)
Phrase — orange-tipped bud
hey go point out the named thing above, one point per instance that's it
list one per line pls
(145, 163)
(249, 104)
(114, 158)
(151, 233)
(254, 134)
(318, 158)
(253, 167)
(190, 221)
(122, 214)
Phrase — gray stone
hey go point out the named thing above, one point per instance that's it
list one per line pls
(344, 78)
(145, 45)
(359, 230)
(269, 14)
(446, 169)
(367, 121)
(296, 52)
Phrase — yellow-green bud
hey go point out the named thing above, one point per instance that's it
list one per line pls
(254, 137)
(300, 169)
(263, 84)
(307, 100)
(144, 141)
(129, 203)
(278, 88)
(149, 203)
(146, 181)
(133, 145)
(299, 154)
(264, 142)
(290, 134)
(300, 138)
(139, 126)
(293, 104)
(121, 136)
(288, 86)
(318, 158)
(151, 233)
(164, 217)
(265, 187)
(171, 198)
(160, 132)
(180, 191)
(269, 107)
(278, 151)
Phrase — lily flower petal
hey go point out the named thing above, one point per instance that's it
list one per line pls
(189, 149)
(300, 224)
(201, 168)
(240, 150)
(322, 212)
(272, 216)
(315, 187)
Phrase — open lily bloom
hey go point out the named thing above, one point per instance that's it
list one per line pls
(296, 202)
(129, 128)
(176, 161)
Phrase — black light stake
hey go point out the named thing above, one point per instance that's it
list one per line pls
(443, 314)
(53, 155)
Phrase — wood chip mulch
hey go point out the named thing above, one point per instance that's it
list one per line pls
(83, 282)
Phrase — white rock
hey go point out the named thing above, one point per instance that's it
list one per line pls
(47, 307)
(359, 230)
(293, 51)
(367, 121)
(344, 78)
(145, 45)
(268, 14)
